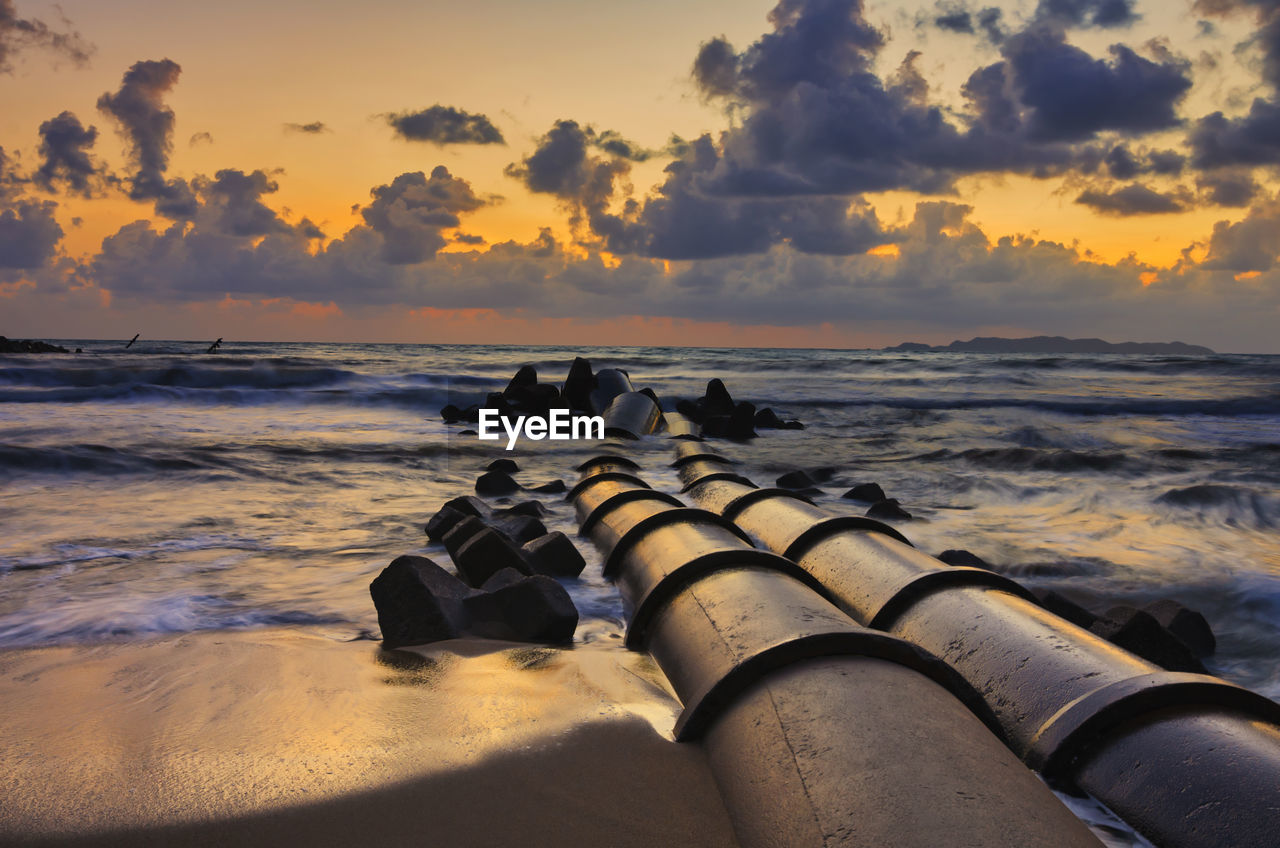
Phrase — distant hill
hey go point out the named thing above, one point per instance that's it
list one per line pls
(1051, 344)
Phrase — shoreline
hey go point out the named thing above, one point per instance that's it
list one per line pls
(278, 736)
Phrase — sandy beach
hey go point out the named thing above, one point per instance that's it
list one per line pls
(275, 737)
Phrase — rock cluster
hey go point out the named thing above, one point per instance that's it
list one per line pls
(720, 416)
(28, 346)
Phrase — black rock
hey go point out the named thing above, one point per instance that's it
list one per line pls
(496, 483)
(471, 414)
(962, 557)
(554, 487)
(1138, 632)
(717, 400)
(486, 553)
(742, 421)
(519, 528)
(467, 433)
(867, 492)
(554, 555)
(535, 609)
(890, 509)
(795, 480)
(501, 578)
(716, 426)
(507, 465)
(691, 409)
(461, 533)
(525, 378)
(442, 522)
(791, 425)
(1187, 624)
(419, 602)
(533, 508)
(1065, 608)
(28, 346)
(767, 419)
(578, 385)
(469, 505)
(452, 414)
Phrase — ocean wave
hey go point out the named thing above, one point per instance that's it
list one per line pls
(1231, 504)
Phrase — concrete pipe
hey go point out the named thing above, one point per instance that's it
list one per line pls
(819, 731)
(631, 415)
(1190, 760)
(681, 427)
(609, 383)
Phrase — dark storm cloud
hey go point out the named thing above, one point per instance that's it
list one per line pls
(1124, 164)
(1069, 95)
(18, 34)
(1228, 188)
(954, 17)
(715, 68)
(443, 125)
(29, 235)
(409, 213)
(1251, 244)
(65, 146)
(1133, 199)
(313, 128)
(147, 125)
(1253, 139)
(1086, 13)
(235, 199)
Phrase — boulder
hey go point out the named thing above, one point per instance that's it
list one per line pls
(535, 609)
(452, 414)
(717, 400)
(519, 528)
(554, 555)
(442, 522)
(1187, 624)
(485, 554)
(533, 508)
(461, 533)
(965, 558)
(578, 385)
(524, 379)
(742, 421)
(767, 419)
(469, 505)
(691, 409)
(888, 509)
(1138, 632)
(501, 578)
(866, 492)
(507, 465)
(797, 479)
(419, 602)
(554, 487)
(496, 483)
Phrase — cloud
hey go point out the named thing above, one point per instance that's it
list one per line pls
(200, 138)
(29, 235)
(313, 128)
(18, 34)
(234, 199)
(409, 213)
(443, 125)
(1086, 13)
(65, 147)
(147, 125)
(1253, 139)
(1249, 245)
(1229, 188)
(1133, 199)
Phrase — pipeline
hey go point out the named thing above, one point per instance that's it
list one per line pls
(1188, 760)
(819, 731)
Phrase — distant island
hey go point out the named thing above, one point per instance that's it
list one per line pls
(1050, 344)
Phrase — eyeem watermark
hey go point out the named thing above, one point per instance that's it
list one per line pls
(560, 425)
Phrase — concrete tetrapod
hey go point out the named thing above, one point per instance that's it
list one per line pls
(1189, 760)
(819, 731)
(631, 415)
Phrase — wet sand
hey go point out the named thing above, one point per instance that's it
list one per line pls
(281, 738)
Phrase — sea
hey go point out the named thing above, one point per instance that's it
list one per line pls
(165, 490)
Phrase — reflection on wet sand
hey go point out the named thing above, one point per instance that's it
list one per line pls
(274, 737)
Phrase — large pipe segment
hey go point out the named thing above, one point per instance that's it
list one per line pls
(1188, 760)
(820, 732)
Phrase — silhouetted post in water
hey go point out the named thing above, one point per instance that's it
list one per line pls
(213, 348)
(132, 340)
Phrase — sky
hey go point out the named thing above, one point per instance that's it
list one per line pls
(805, 173)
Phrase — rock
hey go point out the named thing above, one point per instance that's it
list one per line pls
(791, 425)
(716, 426)
(501, 578)
(1065, 608)
(525, 378)
(507, 465)
(1139, 632)
(767, 419)
(471, 414)
(578, 385)
(452, 414)
(461, 533)
(1187, 624)
(742, 421)
(888, 509)
(554, 555)
(494, 483)
(532, 508)
(469, 505)
(867, 492)
(691, 409)
(498, 401)
(798, 479)
(486, 553)
(717, 400)
(535, 609)
(442, 522)
(519, 528)
(965, 558)
(28, 346)
(554, 487)
(419, 602)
